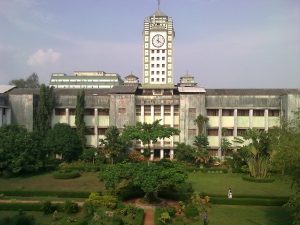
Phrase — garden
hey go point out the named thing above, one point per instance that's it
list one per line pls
(49, 176)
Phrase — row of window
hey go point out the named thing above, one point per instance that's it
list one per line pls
(243, 112)
(158, 58)
(215, 132)
(157, 79)
(158, 72)
(91, 131)
(158, 65)
(158, 51)
(157, 110)
(87, 112)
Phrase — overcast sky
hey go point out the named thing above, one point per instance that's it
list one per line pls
(223, 43)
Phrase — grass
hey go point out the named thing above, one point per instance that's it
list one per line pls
(218, 184)
(242, 215)
(44, 182)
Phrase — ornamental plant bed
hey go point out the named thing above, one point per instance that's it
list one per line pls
(66, 174)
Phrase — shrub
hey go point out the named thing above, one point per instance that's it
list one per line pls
(66, 174)
(21, 219)
(35, 193)
(71, 207)
(180, 192)
(170, 209)
(165, 217)
(107, 201)
(248, 201)
(49, 208)
(130, 192)
(214, 170)
(80, 166)
(258, 180)
(191, 211)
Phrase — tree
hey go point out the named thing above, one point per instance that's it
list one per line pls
(225, 145)
(20, 151)
(31, 82)
(150, 178)
(148, 133)
(201, 142)
(79, 117)
(201, 121)
(63, 140)
(43, 113)
(185, 153)
(114, 144)
(256, 150)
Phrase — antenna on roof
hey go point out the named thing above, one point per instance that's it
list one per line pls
(158, 4)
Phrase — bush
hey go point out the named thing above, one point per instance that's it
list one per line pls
(71, 207)
(49, 208)
(21, 219)
(258, 180)
(63, 194)
(80, 166)
(130, 192)
(191, 211)
(248, 201)
(180, 192)
(171, 210)
(214, 170)
(66, 174)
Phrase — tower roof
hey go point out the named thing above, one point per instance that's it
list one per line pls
(159, 13)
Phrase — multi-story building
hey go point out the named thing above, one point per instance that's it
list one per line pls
(85, 79)
(230, 111)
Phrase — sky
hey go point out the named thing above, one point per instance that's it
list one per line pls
(223, 43)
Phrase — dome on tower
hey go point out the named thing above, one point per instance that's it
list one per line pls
(159, 13)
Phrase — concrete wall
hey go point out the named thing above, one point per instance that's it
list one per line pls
(122, 110)
(22, 110)
(290, 104)
(188, 102)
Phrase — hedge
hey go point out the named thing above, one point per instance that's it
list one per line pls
(16, 206)
(214, 170)
(258, 180)
(34, 193)
(248, 201)
(139, 217)
(66, 174)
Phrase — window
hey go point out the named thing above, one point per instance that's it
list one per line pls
(167, 110)
(103, 112)
(157, 72)
(274, 112)
(176, 110)
(212, 112)
(157, 51)
(227, 132)
(101, 131)
(241, 132)
(163, 65)
(243, 112)
(157, 58)
(163, 51)
(163, 58)
(152, 79)
(60, 112)
(212, 132)
(89, 131)
(72, 112)
(152, 65)
(191, 132)
(258, 112)
(163, 79)
(121, 110)
(152, 72)
(152, 58)
(192, 112)
(163, 72)
(157, 79)
(157, 65)
(152, 51)
(138, 110)
(157, 110)
(147, 110)
(89, 112)
(227, 112)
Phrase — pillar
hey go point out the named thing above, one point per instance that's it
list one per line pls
(162, 114)
(96, 119)
(152, 113)
(220, 132)
(161, 153)
(235, 123)
(171, 154)
(266, 114)
(251, 118)
(142, 113)
(68, 116)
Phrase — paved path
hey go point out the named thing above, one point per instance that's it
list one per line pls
(148, 209)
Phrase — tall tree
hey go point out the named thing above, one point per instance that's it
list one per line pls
(201, 121)
(148, 133)
(79, 117)
(43, 114)
(62, 139)
(31, 82)
(113, 145)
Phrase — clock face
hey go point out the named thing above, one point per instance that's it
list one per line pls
(158, 40)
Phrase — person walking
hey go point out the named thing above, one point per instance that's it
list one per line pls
(229, 193)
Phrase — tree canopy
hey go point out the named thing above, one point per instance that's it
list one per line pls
(150, 178)
(148, 132)
(31, 82)
(79, 117)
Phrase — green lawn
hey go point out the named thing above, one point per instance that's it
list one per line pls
(213, 183)
(46, 182)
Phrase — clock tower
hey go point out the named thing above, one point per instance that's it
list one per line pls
(158, 37)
